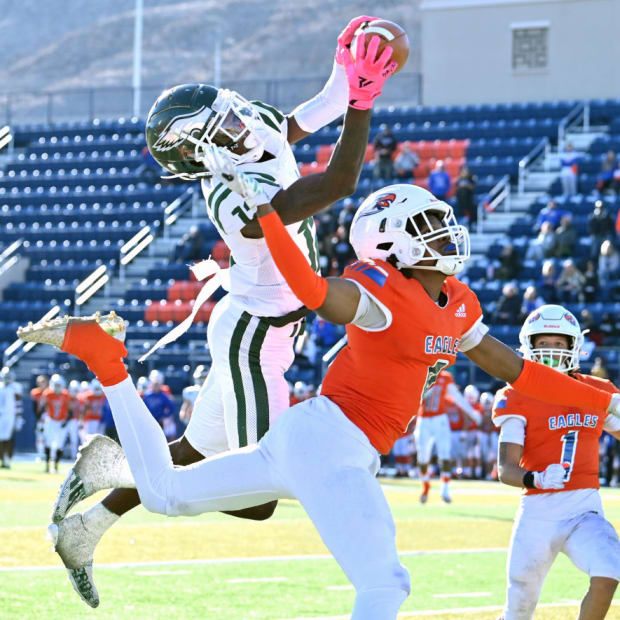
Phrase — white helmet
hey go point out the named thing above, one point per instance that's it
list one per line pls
(300, 390)
(389, 222)
(486, 400)
(57, 383)
(142, 384)
(155, 376)
(200, 374)
(74, 387)
(95, 387)
(472, 394)
(84, 386)
(552, 319)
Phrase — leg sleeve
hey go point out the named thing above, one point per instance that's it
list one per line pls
(530, 557)
(228, 482)
(593, 547)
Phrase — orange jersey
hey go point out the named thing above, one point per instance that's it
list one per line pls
(378, 379)
(76, 405)
(56, 405)
(556, 434)
(470, 424)
(435, 399)
(93, 404)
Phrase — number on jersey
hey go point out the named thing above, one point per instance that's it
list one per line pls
(569, 448)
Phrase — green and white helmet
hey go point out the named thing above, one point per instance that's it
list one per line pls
(185, 119)
(556, 320)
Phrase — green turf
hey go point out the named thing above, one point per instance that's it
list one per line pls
(480, 517)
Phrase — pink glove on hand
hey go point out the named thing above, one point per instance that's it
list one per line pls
(367, 73)
(346, 36)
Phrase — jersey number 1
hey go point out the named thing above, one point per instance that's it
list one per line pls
(569, 448)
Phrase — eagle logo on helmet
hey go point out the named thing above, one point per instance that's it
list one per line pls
(382, 202)
(534, 318)
(571, 319)
(179, 127)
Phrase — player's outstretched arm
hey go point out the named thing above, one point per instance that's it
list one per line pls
(538, 381)
(331, 103)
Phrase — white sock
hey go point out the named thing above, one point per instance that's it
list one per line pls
(99, 518)
(378, 604)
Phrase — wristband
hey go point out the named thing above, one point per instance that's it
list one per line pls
(528, 480)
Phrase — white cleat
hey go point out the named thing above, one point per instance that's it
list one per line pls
(75, 545)
(53, 331)
(445, 495)
(101, 464)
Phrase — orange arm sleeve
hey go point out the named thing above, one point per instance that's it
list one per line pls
(310, 288)
(543, 383)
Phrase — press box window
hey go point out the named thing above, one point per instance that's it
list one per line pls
(530, 48)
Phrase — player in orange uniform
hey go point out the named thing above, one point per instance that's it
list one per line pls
(552, 452)
(487, 437)
(94, 400)
(36, 394)
(473, 468)
(433, 427)
(406, 320)
(55, 400)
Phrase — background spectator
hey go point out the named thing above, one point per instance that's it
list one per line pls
(608, 263)
(565, 237)
(606, 176)
(544, 245)
(616, 182)
(590, 286)
(465, 204)
(439, 181)
(570, 283)
(190, 248)
(551, 213)
(509, 263)
(406, 162)
(587, 324)
(345, 217)
(600, 227)
(546, 284)
(599, 368)
(508, 306)
(531, 301)
(569, 168)
(385, 145)
(340, 250)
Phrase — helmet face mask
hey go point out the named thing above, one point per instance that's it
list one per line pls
(552, 320)
(408, 222)
(186, 119)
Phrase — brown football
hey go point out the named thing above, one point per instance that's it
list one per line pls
(391, 34)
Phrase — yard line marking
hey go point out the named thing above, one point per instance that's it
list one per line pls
(273, 558)
(461, 594)
(157, 573)
(257, 580)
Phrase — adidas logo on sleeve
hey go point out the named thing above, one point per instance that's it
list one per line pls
(461, 312)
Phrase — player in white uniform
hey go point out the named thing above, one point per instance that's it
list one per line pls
(473, 468)
(190, 393)
(73, 425)
(551, 452)
(252, 329)
(487, 437)
(7, 418)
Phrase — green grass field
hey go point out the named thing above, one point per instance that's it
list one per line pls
(218, 567)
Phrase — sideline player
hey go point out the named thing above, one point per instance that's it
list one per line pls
(92, 403)
(7, 418)
(551, 452)
(433, 428)
(191, 392)
(404, 324)
(36, 394)
(252, 329)
(473, 468)
(55, 402)
(487, 436)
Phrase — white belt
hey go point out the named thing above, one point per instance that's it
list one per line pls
(201, 270)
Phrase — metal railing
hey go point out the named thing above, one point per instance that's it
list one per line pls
(542, 148)
(579, 114)
(9, 256)
(498, 194)
(112, 102)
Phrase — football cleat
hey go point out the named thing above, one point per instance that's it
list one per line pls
(53, 331)
(75, 545)
(445, 495)
(101, 464)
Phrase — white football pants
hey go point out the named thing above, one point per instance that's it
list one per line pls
(589, 540)
(313, 453)
(434, 430)
(54, 433)
(245, 390)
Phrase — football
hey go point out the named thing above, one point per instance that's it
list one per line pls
(391, 34)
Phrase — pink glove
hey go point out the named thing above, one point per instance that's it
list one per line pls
(346, 36)
(367, 73)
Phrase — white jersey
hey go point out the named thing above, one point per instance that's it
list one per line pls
(256, 285)
(190, 393)
(18, 389)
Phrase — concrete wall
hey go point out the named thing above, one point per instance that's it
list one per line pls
(467, 50)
